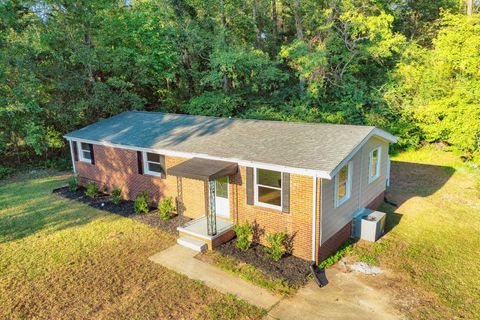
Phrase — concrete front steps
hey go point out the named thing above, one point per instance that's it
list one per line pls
(193, 244)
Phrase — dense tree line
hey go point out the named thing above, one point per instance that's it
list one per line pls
(411, 67)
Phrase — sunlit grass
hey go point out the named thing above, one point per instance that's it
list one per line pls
(436, 242)
(63, 259)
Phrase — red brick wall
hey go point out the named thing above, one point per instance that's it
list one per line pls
(297, 223)
(116, 167)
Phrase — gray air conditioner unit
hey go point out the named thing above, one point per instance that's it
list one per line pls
(369, 225)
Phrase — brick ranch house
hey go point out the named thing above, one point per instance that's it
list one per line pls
(306, 179)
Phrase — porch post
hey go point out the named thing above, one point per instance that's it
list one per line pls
(210, 208)
(179, 196)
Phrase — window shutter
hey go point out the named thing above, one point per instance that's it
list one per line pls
(75, 150)
(140, 162)
(162, 163)
(91, 153)
(285, 192)
(249, 186)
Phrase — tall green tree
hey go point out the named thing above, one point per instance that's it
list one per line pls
(440, 87)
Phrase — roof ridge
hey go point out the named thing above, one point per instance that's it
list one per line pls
(254, 120)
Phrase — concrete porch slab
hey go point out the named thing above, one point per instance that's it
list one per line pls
(182, 260)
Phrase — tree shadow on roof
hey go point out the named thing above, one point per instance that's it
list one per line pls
(147, 129)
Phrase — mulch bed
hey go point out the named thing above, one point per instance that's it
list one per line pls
(293, 270)
(125, 209)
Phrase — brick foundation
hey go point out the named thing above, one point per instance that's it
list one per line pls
(375, 203)
(332, 244)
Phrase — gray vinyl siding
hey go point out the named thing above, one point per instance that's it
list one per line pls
(362, 193)
(371, 190)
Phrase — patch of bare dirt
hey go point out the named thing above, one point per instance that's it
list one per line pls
(413, 302)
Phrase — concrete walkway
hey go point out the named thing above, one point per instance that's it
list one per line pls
(345, 297)
(181, 260)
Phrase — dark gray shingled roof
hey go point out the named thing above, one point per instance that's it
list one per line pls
(311, 146)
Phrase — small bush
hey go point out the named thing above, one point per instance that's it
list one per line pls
(92, 190)
(142, 202)
(244, 234)
(5, 172)
(276, 245)
(166, 208)
(73, 183)
(116, 195)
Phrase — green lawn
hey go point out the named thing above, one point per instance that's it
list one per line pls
(434, 246)
(62, 259)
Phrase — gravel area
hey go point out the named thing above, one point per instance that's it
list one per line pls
(293, 270)
(125, 209)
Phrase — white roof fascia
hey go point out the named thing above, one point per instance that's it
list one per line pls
(180, 154)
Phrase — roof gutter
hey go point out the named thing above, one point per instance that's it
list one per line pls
(180, 154)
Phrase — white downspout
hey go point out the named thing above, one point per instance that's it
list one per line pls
(73, 156)
(388, 170)
(314, 219)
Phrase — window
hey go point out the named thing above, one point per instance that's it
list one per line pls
(268, 188)
(343, 184)
(374, 165)
(85, 152)
(153, 164)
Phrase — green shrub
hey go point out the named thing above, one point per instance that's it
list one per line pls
(73, 183)
(244, 234)
(276, 245)
(345, 248)
(116, 195)
(142, 202)
(92, 190)
(5, 172)
(166, 208)
(62, 163)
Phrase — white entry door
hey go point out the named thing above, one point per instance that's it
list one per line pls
(222, 202)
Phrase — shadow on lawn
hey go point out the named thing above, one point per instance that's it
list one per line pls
(408, 180)
(30, 207)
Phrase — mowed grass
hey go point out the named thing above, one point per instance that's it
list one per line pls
(60, 259)
(434, 243)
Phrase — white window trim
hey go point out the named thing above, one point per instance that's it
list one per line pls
(255, 191)
(348, 193)
(145, 165)
(377, 169)
(80, 153)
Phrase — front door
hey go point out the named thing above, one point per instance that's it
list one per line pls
(222, 202)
